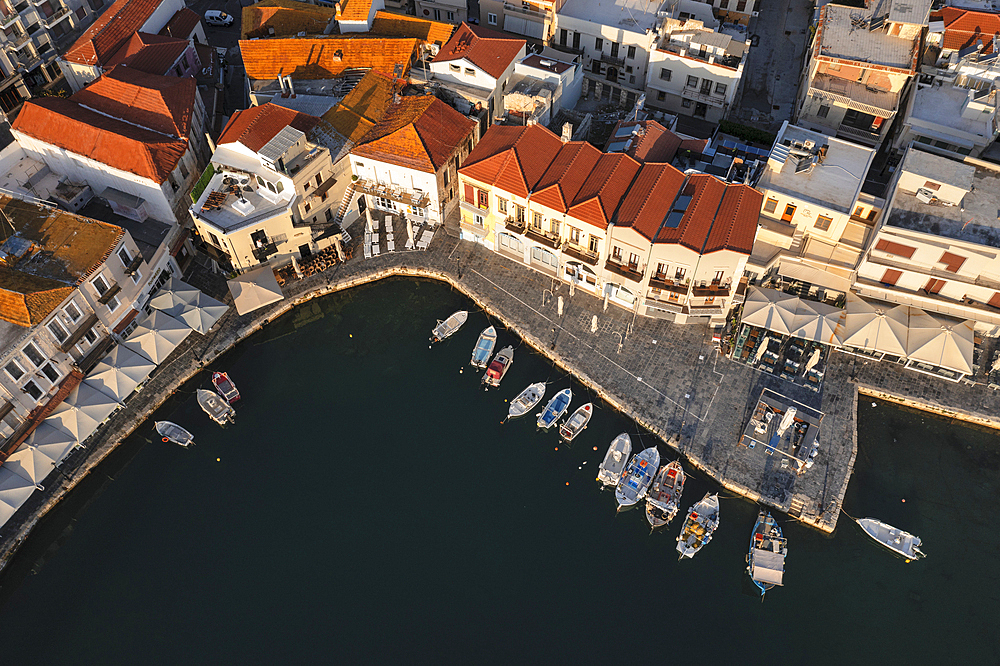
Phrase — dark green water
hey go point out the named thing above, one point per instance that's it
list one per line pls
(369, 507)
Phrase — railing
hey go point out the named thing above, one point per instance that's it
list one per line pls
(109, 294)
(58, 15)
(611, 60)
(705, 310)
(420, 200)
(709, 98)
(669, 306)
(264, 251)
(713, 289)
(17, 40)
(860, 134)
(543, 237)
(85, 326)
(21, 7)
(9, 18)
(663, 282)
(577, 252)
(134, 264)
(565, 49)
(508, 7)
(628, 271)
(514, 225)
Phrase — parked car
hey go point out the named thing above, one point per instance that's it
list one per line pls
(215, 17)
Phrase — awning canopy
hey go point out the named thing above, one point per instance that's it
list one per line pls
(120, 372)
(52, 439)
(255, 289)
(84, 410)
(770, 309)
(797, 270)
(30, 463)
(939, 341)
(202, 313)
(189, 305)
(818, 322)
(876, 328)
(157, 335)
(14, 491)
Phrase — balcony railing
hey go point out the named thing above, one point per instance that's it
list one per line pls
(262, 252)
(134, 264)
(628, 271)
(611, 60)
(669, 306)
(527, 11)
(660, 281)
(565, 48)
(543, 237)
(109, 294)
(393, 192)
(80, 331)
(9, 18)
(711, 289)
(17, 40)
(577, 252)
(516, 226)
(58, 15)
(869, 138)
(704, 310)
(708, 98)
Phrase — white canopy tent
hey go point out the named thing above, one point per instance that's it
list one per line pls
(52, 439)
(770, 309)
(945, 343)
(30, 463)
(818, 322)
(14, 491)
(255, 289)
(873, 328)
(157, 336)
(120, 372)
(187, 304)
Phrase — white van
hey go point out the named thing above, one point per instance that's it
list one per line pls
(215, 17)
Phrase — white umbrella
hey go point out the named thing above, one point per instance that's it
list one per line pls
(770, 309)
(409, 234)
(120, 372)
(943, 342)
(255, 289)
(175, 293)
(813, 359)
(157, 336)
(202, 313)
(369, 227)
(818, 322)
(295, 267)
(30, 463)
(83, 411)
(874, 327)
(14, 491)
(761, 348)
(52, 439)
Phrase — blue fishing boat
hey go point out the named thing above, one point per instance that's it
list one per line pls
(555, 409)
(768, 548)
(484, 347)
(637, 476)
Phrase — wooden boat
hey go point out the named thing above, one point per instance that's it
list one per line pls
(225, 386)
(701, 522)
(637, 476)
(768, 548)
(610, 471)
(447, 328)
(171, 432)
(576, 423)
(664, 497)
(499, 367)
(217, 409)
(526, 400)
(484, 347)
(895, 539)
(556, 408)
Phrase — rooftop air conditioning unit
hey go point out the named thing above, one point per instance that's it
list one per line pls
(809, 145)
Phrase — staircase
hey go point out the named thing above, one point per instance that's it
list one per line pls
(344, 204)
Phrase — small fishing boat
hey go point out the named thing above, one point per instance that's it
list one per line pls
(447, 328)
(637, 476)
(526, 400)
(700, 524)
(768, 548)
(484, 347)
(615, 460)
(171, 432)
(893, 538)
(664, 497)
(225, 386)
(555, 409)
(576, 423)
(499, 367)
(217, 409)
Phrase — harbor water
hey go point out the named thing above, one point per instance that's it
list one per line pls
(368, 506)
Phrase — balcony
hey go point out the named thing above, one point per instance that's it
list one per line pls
(577, 252)
(9, 17)
(565, 48)
(627, 271)
(543, 237)
(704, 310)
(471, 206)
(611, 60)
(526, 11)
(660, 281)
(870, 139)
(262, 252)
(477, 229)
(393, 193)
(17, 40)
(514, 226)
(80, 331)
(109, 294)
(713, 289)
(741, 291)
(669, 306)
(56, 17)
(708, 98)
(134, 264)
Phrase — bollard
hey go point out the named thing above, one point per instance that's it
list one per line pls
(559, 306)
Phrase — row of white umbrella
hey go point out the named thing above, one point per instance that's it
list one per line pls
(900, 330)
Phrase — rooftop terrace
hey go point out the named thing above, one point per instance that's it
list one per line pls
(228, 205)
(631, 15)
(846, 35)
(943, 106)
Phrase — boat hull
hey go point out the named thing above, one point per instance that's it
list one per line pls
(637, 477)
(576, 423)
(664, 496)
(615, 460)
(766, 557)
(216, 407)
(555, 409)
(484, 348)
(526, 400)
(499, 367)
(171, 432)
(225, 387)
(448, 327)
(699, 526)
(898, 541)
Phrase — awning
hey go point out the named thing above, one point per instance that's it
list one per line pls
(173, 294)
(255, 289)
(52, 439)
(770, 309)
(768, 566)
(796, 270)
(189, 305)
(876, 328)
(157, 335)
(30, 463)
(14, 491)
(818, 322)
(120, 372)
(940, 341)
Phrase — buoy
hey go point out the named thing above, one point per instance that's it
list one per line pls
(874, 404)
(904, 501)
(557, 448)
(567, 483)
(580, 467)
(350, 335)
(907, 561)
(461, 370)
(595, 448)
(218, 460)
(166, 439)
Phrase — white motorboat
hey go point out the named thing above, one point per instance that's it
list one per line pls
(447, 328)
(555, 409)
(526, 400)
(216, 407)
(499, 367)
(895, 539)
(699, 526)
(484, 347)
(615, 460)
(577, 422)
(171, 432)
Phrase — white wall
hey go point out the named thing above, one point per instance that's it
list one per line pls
(409, 179)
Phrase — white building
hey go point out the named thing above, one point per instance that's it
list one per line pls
(449, 11)
(357, 15)
(544, 84)
(531, 18)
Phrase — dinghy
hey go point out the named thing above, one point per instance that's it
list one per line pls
(664, 495)
(499, 367)
(526, 400)
(225, 386)
(576, 423)
(484, 347)
(217, 409)
(555, 409)
(615, 460)
(895, 539)
(447, 328)
(637, 476)
(171, 432)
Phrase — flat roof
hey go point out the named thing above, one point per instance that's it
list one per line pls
(632, 15)
(228, 217)
(834, 182)
(975, 221)
(943, 106)
(762, 428)
(846, 35)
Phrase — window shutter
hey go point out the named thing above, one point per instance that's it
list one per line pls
(469, 195)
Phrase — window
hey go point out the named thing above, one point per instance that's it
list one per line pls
(57, 330)
(72, 312)
(633, 259)
(692, 82)
(502, 205)
(136, 276)
(770, 205)
(14, 370)
(90, 337)
(859, 211)
(706, 86)
(686, 103)
(823, 222)
(478, 220)
(455, 68)
(718, 277)
(592, 244)
(123, 254)
(113, 304)
(329, 214)
(536, 220)
(469, 71)
(491, 19)
(543, 256)
(720, 88)
(823, 112)
(631, 53)
(319, 178)
(931, 185)
(279, 186)
(50, 373)
(173, 183)
(554, 226)
(484, 199)
(679, 273)
(510, 242)
(451, 16)
(614, 49)
(437, 14)
(631, 79)
(741, 6)
(628, 69)
(184, 171)
(660, 95)
(180, 73)
(616, 254)
(665, 74)
(724, 4)
(31, 388)
(307, 207)
(519, 214)
(599, 44)
(35, 356)
(574, 235)
(470, 193)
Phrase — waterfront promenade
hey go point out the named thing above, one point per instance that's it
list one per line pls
(668, 377)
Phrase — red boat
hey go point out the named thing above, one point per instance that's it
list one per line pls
(225, 386)
(499, 367)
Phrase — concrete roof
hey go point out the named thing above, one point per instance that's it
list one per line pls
(631, 15)
(943, 106)
(844, 36)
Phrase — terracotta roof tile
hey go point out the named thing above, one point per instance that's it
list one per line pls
(161, 103)
(513, 158)
(181, 24)
(491, 51)
(286, 18)
(152, 54)
(363, 107)
(255, 126)
(565, 175)
(324, 57)
(965, 27)
(387, 24)
(355, 10)
(736, 222)
(110, 31)
(417, 132)
(606, 185)
(649, 199)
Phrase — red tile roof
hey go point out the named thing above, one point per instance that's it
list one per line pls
(566, 175)
(181, 24)
(604, 189)
(161, 103)
(110, 31)
(417, 132)
(491, 51)
(363, 107)
(355, 10)
(152, 54)
(718, 217)
(285, 18)
(736, 222)
(255, 126)
(965, 27)
(513, 158)
(652, 142)
(387, 24)
(325, 57)
(649, 199)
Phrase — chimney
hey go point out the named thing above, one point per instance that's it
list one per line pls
(567, 132)
(337, 7)
(291, 90)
